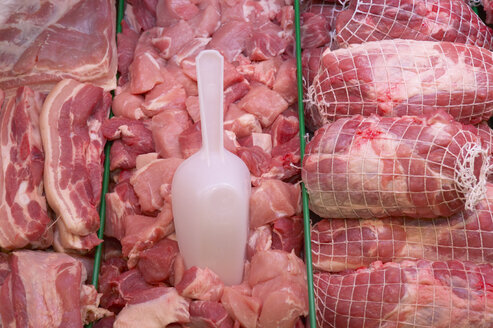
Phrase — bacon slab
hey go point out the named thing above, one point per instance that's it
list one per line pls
(73, 141)
(23, 217)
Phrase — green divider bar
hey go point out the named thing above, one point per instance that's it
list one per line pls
(106, 179)
(304, 195)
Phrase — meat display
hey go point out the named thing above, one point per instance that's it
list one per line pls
(46, 41)
(375, 167)
(73, 142)
(46, 290)
(423, 293)
(432, 20)
(404, 77)
(339, 244)
(23, 213)
(157, 125)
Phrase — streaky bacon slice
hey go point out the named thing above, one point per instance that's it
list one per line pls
(23, 217)
(73, 142)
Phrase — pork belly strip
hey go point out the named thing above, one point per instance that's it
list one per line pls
(425, 294)
(43, 42)
(23, 216)
(73, 142)
(340, 244)
(47, 290)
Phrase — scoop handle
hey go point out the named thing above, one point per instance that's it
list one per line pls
(210, 65)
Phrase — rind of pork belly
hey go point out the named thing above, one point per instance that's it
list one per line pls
(434, 20)
(426, 294)
(45, 289)
(52, 43)
(73, 142)
(404, 77)
(340, 244)
(23, 216)
(378, 167)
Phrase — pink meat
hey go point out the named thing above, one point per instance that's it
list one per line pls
(488, 8)
(34, 293)
(404, 77)
(47, 41)
(23, 216)
(278, 280)
(242, 308)
(163, 97)
(267, 41)
(207, 21)
(172, 38)
(273, 199)
(349, 244)
(144, 73)
(73, 142)
(264, 103)
(4, 267)
(284, 128)
(128, 105)
(381, 166)
(126, 43)
(166, 127)
(144, 14)
(142, 232)
(169, 12)
(120, 202)
(200, 284)
(132, 138)
(424, 293)
(152, 183)
(259, 239)
(317, 23)
(287, 234)
(156, 263)
(209, 314)
(159, 306)
(241, 122)
(433, 20)
(262, 71)
(285, 83)
(231, 39)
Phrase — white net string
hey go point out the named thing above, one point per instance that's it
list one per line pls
(404, 77)
(434, 20)
(421, 294)
(382, 167)
(341, 244)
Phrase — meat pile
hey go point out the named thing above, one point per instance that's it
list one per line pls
(396, 172)
(157, 125)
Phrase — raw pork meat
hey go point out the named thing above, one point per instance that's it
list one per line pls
(46, 289)
(404, 77)
(156, 307)
(433, 20)
(73, 142)
(339, 244)
(46, 41)
(23, 216)
(374, 167)
(424, 294)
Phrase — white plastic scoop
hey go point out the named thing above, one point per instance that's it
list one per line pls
(211, 189)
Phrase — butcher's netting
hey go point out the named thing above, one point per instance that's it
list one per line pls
(421, 294)
(340, 244)
(435, 20)
(404, 77)
(378, 167)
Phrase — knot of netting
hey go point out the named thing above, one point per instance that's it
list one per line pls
(473, 188)
(475, 3)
